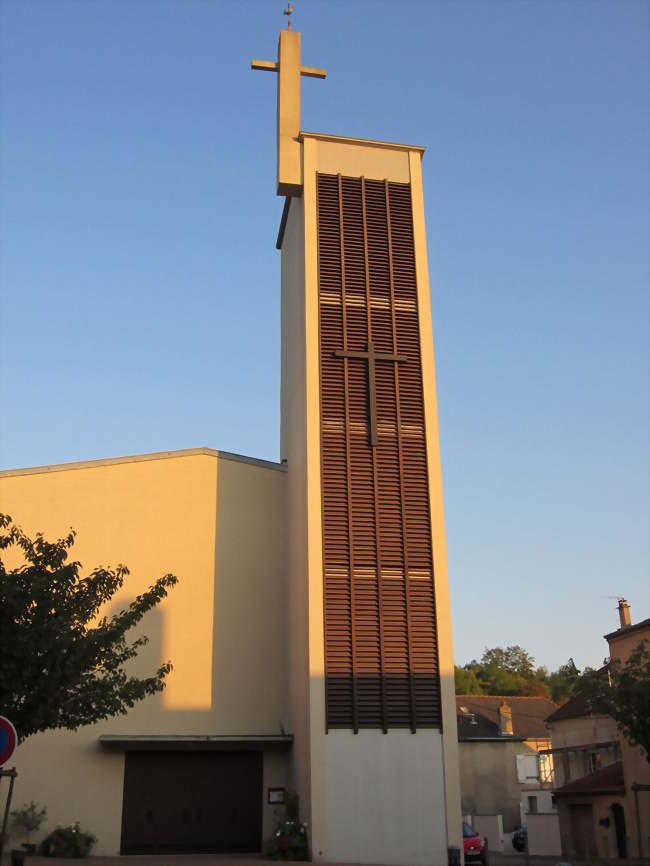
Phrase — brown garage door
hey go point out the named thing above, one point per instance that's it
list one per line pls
(182, 802)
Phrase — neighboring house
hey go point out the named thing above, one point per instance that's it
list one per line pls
(602, 783)
(504, 753)
(583, 741)
(636, 767)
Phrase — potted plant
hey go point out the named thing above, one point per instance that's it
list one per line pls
(289, 841)
(25, 821)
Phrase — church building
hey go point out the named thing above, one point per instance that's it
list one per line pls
(310, 628)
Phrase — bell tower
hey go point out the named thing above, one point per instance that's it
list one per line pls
(375, 758)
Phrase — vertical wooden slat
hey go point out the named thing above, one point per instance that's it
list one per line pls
(375, 489)
(409, 648)
(355, 698)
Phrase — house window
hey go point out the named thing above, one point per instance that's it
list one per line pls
(594, 761)
(532, 805)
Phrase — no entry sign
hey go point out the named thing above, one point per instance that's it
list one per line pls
(8, 740)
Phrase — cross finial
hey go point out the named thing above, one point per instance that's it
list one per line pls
(289, 71)
(288, 12)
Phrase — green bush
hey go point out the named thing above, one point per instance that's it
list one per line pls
(68, 841)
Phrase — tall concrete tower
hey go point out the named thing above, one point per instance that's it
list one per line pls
(371, 668)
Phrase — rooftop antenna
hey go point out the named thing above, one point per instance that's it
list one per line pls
(288, 11)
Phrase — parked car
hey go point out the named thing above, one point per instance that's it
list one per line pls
(520, 838)
(474, 845)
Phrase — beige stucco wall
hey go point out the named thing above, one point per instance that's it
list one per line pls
(293, 448)
(544, 835)
(359, 159)
(441, 581)
(217, 523)
(586, 729)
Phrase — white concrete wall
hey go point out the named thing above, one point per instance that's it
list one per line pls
(385, 798)
(544, 797)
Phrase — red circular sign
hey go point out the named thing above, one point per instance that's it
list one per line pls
(8, 740)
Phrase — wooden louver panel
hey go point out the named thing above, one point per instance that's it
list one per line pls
(381, 649)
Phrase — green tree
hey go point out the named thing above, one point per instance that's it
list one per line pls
(63, 663)
(563, 682)
(466, 682)
(511, 672)
(513, 659)
(622, 691)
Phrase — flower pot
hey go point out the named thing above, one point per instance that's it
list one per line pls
(18, 856)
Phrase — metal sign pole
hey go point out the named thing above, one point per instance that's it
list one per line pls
(12, 776)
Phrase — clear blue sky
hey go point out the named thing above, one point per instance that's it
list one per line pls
(140, 284)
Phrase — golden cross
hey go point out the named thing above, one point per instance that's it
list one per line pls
(289, 71)
(371, 356)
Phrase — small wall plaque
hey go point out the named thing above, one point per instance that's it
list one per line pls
(276, 796)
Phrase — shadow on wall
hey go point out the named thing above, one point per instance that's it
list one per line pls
(240, 675)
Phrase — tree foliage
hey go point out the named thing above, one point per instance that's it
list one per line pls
(622, 691)
(466, 682)
(511, 672)
(63, 663)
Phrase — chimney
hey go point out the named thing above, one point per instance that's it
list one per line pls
(505, 720)
(624, 613)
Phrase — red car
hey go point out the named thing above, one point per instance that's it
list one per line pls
(474, 845)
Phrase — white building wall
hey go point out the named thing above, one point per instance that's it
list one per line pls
(385, 798)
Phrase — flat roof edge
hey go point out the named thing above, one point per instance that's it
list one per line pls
(193, 742)
(185, 742)
(367, 142)
(141, 458)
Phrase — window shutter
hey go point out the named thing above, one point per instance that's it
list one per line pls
(531, 766)
(521, 770)
(381, 649)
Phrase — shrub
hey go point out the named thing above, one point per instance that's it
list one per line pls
(70, 841)
(26, 820)
(289, 841)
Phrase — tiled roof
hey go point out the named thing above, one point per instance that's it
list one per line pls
(478, 716)
(608, 780)
(575, 708)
